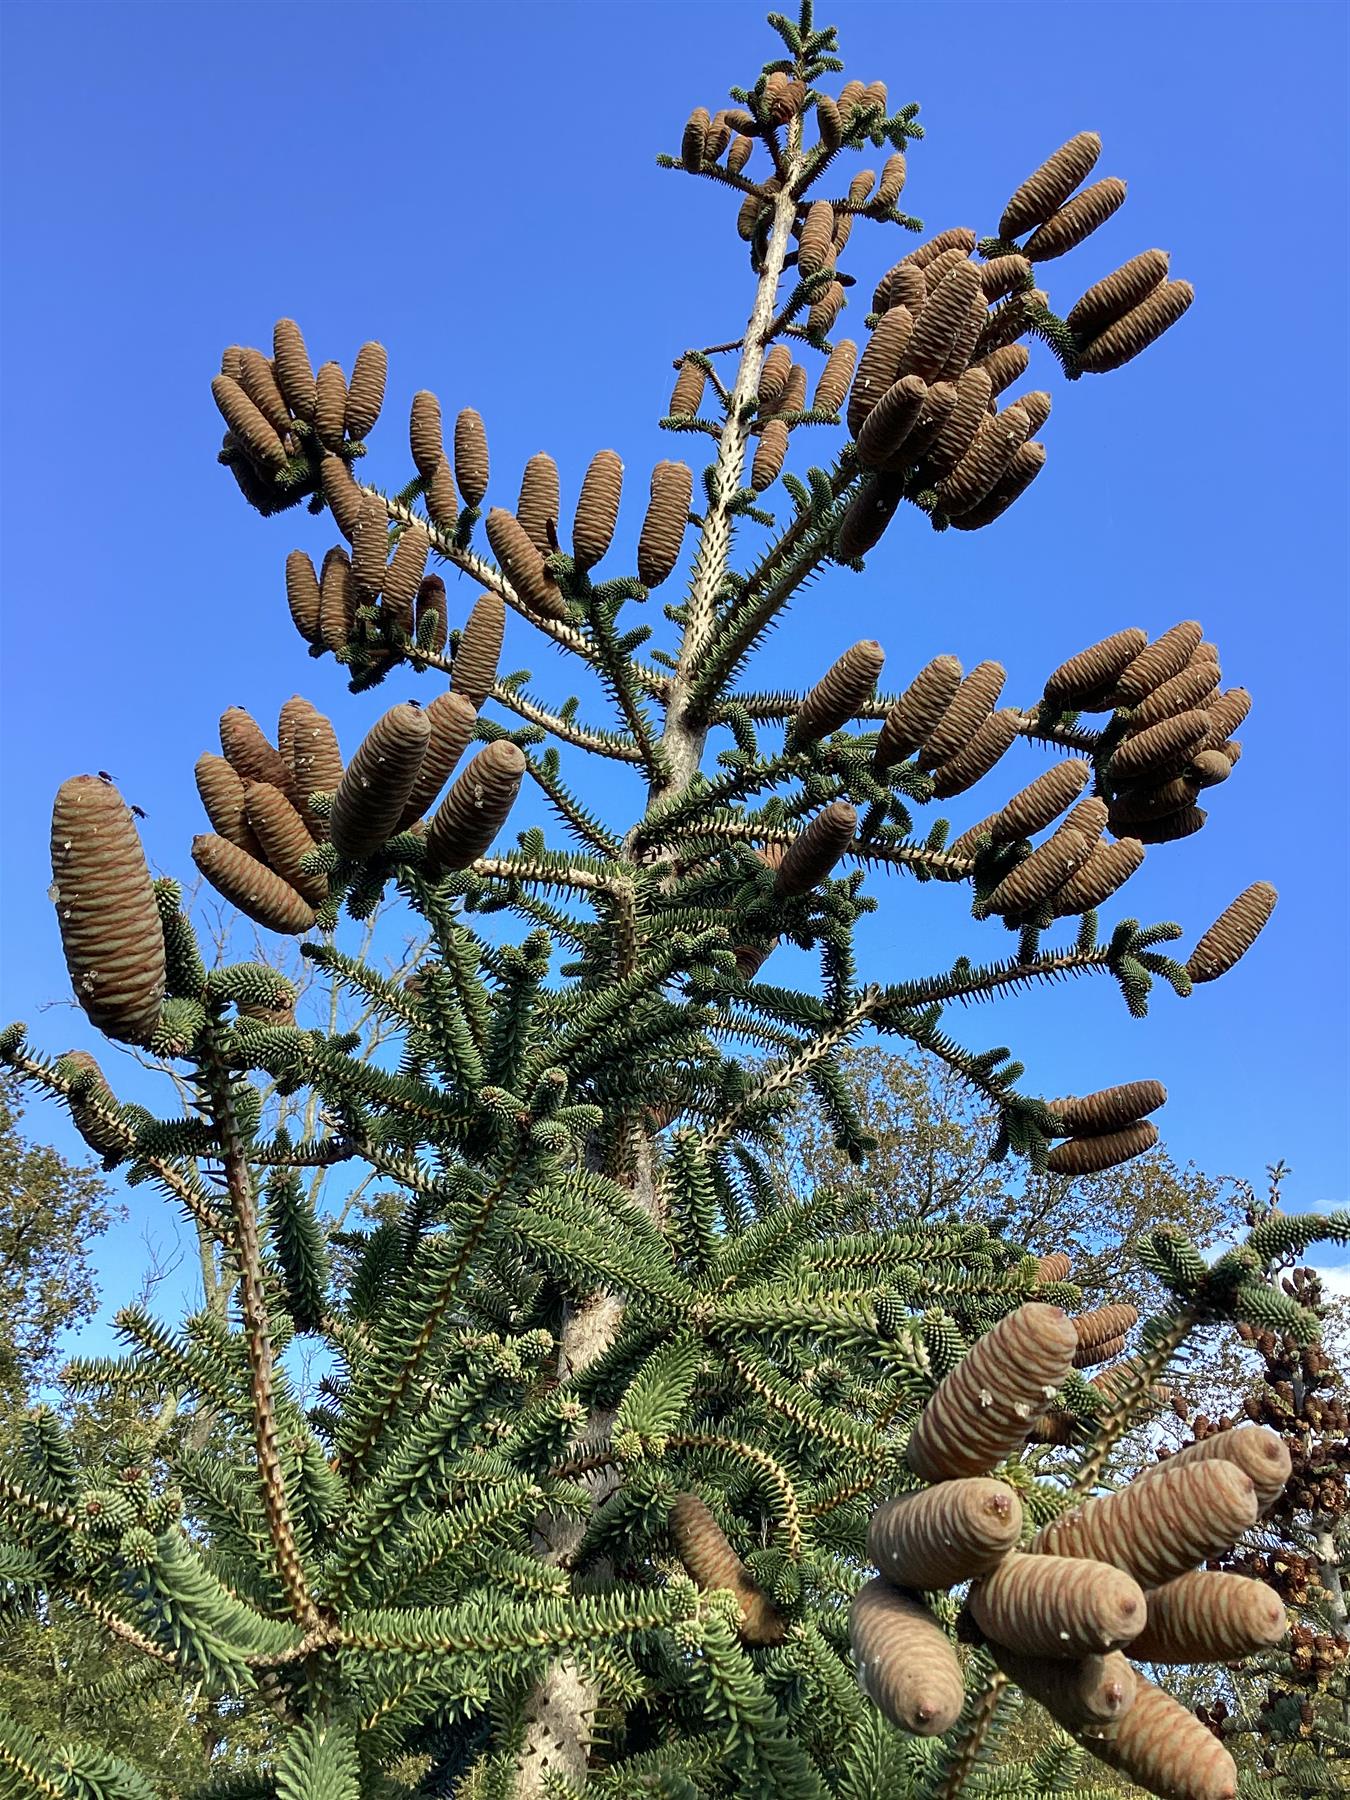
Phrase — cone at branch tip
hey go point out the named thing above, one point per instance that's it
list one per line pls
(337, 599)
(995, 737)
(917, 712)
(1104, 1150)
(835, 377)
(474, 670)
(374, 790)
(251, 886)
(1261, 1454)
(539, 505)
(597, 509)
(344, 496)
(841, 690)
(365, 391)
(523, 566)
(1103, 1323)
(403, 577)
(974, 699)
(451, 719)
(248, 751)
(294, 373)
(302, 595)
(475, 808)
(248, 424)
(812, 855)
(981, 1412)
(1108, 1108)
(1158, 662)
(106, 910)
(906, 1664)
(285, 838)
(424, 433)
(330, 405)
(1117, 294)
(1086, 677)
(471, 456)
(222, 795)
(687, 395)
(769, 456)
(946, 1534)
(1163, 1747)
(1041, 802)
(1160, 750)
(1144, 325)
(1047, 188)
(672, 490)
(1057, 1266)
(1091, 1691)
(1206, 1617)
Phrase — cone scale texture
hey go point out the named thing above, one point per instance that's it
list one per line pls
(1162, 1527)
(1058, 1606)
(704, 1550)
(375, 787)
(944, 1534)
(906, 1664)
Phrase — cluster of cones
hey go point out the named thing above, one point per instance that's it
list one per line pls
(1120, 1571)
(1170, 734)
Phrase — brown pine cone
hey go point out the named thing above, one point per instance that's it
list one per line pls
(302, 595)
(424, 433)
(540, 505)
(1025, 465)
(1122, 342)
(879, 364)
(1159, 662)
(1109, 1108)
(995, 737)
(1090, 1692)
(1209, 1618)
(365, 391)
(662, 533)
(890, 422)
(378, 781)
(442, 500)
(1117, 294)
(1047, 188)
(106, 911)
(1261, 1454)
(1161, 1527)
(451, 720)
(973, 394)
(294, 374)
(770, 456)
(370, 547)
(523, 566)
(996, 442)
(475, 808)
(1226, 714)
(975, 698)
(917, 712)
(1076, 221)
(90, 1106)
(687, 396)
(222, 795)
(835, 377)
(906, 1664)
(247, 750)
(841, 690)
(344, 496)
(1041, 802)
(1160, 750)
(1102, 1150)
(251, 886)
(250, 427)
(1005, 365)
(1027, 887)
(1107, 869)
(1105, 1323)
(316, 768)
(812, 855)
(1055, 1267)
(259, 382)
(1084, 678)
(708, 1556)
(337, 600)
(694, 142)
(330, 405)
(901, 285)
(471, 456)
(597, 509)
(1161, 1745)
(822, 315)
(431, 629)
(1004, 275)
(815, 245)
(929, 345)
(285, 838)
(1195, 689)
(1057, 1606)
(403, 577)
(474, 670)
(945, 1534)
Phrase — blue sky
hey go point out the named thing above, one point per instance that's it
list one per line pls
(477, 188)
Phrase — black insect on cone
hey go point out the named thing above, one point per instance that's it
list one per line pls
(337, 600)
(374, 790)
(916, 713)
(687, 395)
(285, 838)
(248, 750)
(815, 245)
(430, 625)
(106, 910)
(424, 433)
(259, 382)
(442, 499)
(1158, 663)
(979, 471)
(403, 577)
(294, 373)
(1045, 190)
(694, 141)
(870, 512)
(475, 808)
(249, 426)
(1041, 802)
(1058, 1606)
(970, 705)
(906, 1664)
(524, 566)
(662, 532)
(451, 719)
(1233, 933)
(973, 394)
(879, 364)
(302, 595)
(365, 391)
(937, 327)
(1109, 1108)
(706, 1553)
(597, 509)
(995, 737)
(981, 1412)
(344, 496)
(539, 506)
(770, 455)
(1163, 1748)
(1076, 221)
(1080, 1693)
(471, 456)
(1261, 1454)
(835, 377)
(1083, 679)
(251, 886)
(1117, 294)
(1107, 1150)
(1160, 1528)
(1122, 342)
(474, 670)
(882, 440)
(812, 855)
(902, 285)
(944, 1534)
(316, 767)
(222, 795)
(1160, 750)
(841, 690)
(330, 405)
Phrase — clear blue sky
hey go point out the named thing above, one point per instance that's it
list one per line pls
(477, 188)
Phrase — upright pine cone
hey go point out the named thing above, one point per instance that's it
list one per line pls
(251, 886)
(687, 396)
(1109, 1108)
(370, 547)
(994, 738)
(1028, 886)
(1045, 190)
(935, 331)
(248, 751)
(424, 433)
(1004, 275)
(1077, 220)
(663, 528)
(285, 838)
(337, 600)
(105, 907)
(835, 377)
(1041, 802)
(403, 577)
(1081, 1694)
(471, 456)
(1058, 1606)
(365, 391)
(888, 425)
(975, 698)
(1261, 1454)
(906, 1664)
(942, 1535)
(374, 791)
(879, 364)
(1159, 750)
(330, 405)
(870, 512)
(1162, 1527)
(430, 626)
(474, 670)
(539, 506)
(451, 719)
(917, 712)
(302, 595)
(442, 499)
(475, 808)
(815, 245)
(295, 376)
(1195, 689)
(1163, 1747)
(597, 509)
(694, 141)
(1116, 294)
(770, 456)
(1057, 1266)
(222, 795)
(1207, 1617)
(91, 1099)
(1107, 869)
(316, 768)
(901, 285)
(1005, 365)
(1105, 1323)
(980, 1413)
(996, 442)
(1143, 325)
(248, 424)
(345, 499)
(973, 394)
(823, 313)
(841, 690)
(704, 1550)
(814, 852)
(773, 376)
(1103, 1150)
(260, 384)
(524, 566)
